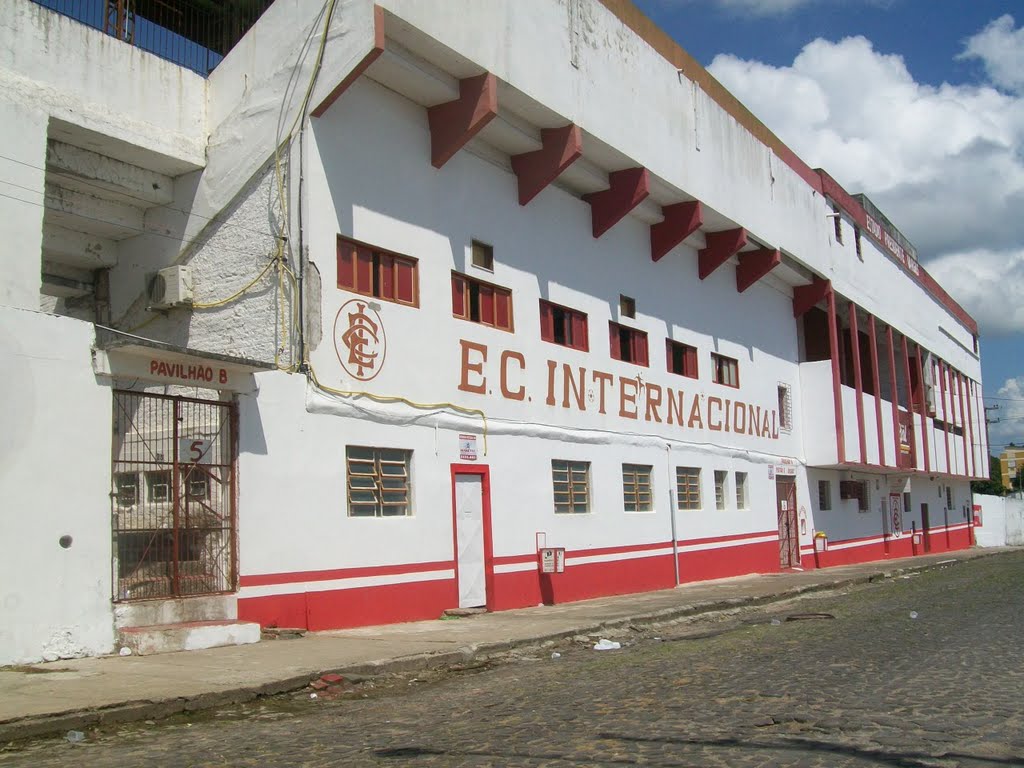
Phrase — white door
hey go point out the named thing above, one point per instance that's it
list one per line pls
(469, 531)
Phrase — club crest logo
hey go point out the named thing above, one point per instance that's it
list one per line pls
(359, 339)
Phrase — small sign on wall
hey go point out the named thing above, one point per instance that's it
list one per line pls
(467, 447)
(552, 559)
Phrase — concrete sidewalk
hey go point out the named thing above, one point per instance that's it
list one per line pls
(83, 693)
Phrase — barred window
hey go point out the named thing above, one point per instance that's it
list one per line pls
(378, 481)
(158, 485)
(741, 491)
(785, 408)
(688, 488)
(636, 487)
(126, 488)
(571, 480)
(824, 495)
(721, 478)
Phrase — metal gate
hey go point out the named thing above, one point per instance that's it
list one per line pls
(173, 496)
(789, 543)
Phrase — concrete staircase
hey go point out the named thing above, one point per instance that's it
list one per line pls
(182, 624)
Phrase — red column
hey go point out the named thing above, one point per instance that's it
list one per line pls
(970, 426)
(837, 394)
(923, 405)
(858, 383)
(894, 393)
(945, 413)
(875, 379)
(963, 420)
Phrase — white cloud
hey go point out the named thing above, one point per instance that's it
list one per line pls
(1010, 427)
(1000, 47)
(989, 284)
(945, 163)
(762, 7)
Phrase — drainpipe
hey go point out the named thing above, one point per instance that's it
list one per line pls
(301, 289)
(672, 512)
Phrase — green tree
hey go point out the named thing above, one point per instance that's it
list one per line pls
(994, 485)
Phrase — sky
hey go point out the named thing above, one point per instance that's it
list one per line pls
(919, 104)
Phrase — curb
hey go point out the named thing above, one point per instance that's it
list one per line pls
(133, 711)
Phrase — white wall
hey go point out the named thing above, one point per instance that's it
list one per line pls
(55, 481)
(1002, 521)
(86, 78)
(23, 138)
(544, 250)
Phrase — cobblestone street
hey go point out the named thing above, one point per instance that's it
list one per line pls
(917, 671)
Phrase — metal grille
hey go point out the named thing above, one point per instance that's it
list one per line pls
(571, 480)
(636, 487)
(378, 481)
(172, 496)
(688, 487)
(195, 34)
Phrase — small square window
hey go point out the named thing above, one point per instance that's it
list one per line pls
(627, 306)
(725, 370)
(785, 408)
(563, 326)
(197, 483)
(688, 488)
(158, 485)
(483, 256)
(481, 302)
(628, 344)
(126, 488)
(378, 482)
(571, 483)
(837, 220)
(721, 479)
(681, 358)
(824, 495)
(636, 487)
(741, 491)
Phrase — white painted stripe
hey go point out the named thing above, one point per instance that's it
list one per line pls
(729, 543)
(300, 587)
(854, 544)
(615, 556)
(516, 567)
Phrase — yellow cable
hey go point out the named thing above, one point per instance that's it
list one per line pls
(404, 400)
(240, 292)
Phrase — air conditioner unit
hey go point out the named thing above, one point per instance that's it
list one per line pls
(171, 287)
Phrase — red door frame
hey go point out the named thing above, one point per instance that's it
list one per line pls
(484, 472)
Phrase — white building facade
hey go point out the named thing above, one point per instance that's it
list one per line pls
(403, 295)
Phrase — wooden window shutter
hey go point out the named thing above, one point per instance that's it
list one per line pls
(579, 331)
(502, 309)
(458, 296)
(387, 276)
(346, 265)
(405, 281)
(364, 271)
(547, 326)
(639, 341)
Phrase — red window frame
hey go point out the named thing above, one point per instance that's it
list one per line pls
(689, 358)
(491, 304)
(719, 363)
(573, 330)
(628, 344)
(372, 271)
